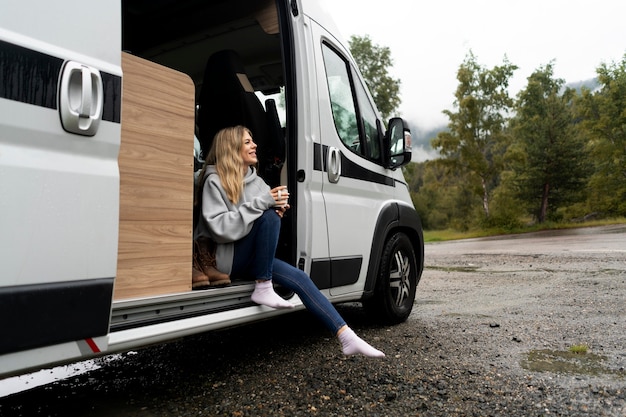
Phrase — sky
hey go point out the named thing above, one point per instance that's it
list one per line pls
(429, 40)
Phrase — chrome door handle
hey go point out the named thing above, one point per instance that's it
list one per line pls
(333, 164)
(81, 98)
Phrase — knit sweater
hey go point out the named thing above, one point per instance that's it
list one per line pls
(226, 222)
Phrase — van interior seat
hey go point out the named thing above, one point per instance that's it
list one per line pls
(227, 98)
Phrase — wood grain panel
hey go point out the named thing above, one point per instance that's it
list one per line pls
(156, 180)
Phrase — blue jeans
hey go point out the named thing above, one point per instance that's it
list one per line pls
(254, 257)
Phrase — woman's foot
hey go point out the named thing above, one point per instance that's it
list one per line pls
(264, 294)
(353, 345)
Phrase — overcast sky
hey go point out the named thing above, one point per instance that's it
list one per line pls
(430, 39)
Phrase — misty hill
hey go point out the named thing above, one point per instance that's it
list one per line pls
(422, 150)
(591, 84)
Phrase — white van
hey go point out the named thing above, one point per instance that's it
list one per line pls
(100, 106)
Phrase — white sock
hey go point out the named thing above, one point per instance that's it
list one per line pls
(353, 345)
(264, 294)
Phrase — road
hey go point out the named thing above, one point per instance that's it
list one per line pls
(490, 334)
(604, 240)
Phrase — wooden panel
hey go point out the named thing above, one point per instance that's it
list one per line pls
(156, 180)
(267, 17)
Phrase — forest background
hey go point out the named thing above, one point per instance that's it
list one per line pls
(553, 155)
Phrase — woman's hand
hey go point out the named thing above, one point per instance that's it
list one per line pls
(281, 197)
(280, 210)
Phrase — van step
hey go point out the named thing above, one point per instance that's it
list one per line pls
(138, 312)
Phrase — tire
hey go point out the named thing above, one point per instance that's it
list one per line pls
(396, 282)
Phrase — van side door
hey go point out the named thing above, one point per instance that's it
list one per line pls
(60, 97)
(356, 185)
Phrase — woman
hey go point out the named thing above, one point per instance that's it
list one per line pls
(242, 214)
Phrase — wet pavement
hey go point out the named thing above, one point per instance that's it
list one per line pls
(498, 329)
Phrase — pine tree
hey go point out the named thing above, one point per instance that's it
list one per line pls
(552, 172)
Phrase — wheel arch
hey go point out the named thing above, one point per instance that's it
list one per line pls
(394, 217)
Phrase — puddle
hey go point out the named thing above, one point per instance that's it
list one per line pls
(428, 302)
(565, 362)
(469, 268)
(466, 315)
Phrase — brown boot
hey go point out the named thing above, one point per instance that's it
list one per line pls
(199, 280)
(204, 260)
(217, 277)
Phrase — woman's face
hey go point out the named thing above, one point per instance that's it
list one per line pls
(248, 150)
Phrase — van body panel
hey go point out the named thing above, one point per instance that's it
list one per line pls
(60, 190)
(67, 29)
(35, 359)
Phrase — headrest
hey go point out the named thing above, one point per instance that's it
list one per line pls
(226, 66)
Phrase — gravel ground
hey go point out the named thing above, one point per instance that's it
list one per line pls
(489, 336)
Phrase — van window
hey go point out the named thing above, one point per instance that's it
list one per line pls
(354, 116)
(368, 122)
(279, 99)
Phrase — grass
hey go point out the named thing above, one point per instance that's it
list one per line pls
(579, 349)
(441, 235)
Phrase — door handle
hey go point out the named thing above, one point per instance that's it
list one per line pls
(333, 164)
(81, 98)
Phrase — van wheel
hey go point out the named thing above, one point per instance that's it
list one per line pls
(396, 283)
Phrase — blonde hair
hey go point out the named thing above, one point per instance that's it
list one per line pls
(225, 154)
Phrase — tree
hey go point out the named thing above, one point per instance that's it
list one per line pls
(603, 116)
(439, 197)
(475, 140)
(374, 62)
(550, 170)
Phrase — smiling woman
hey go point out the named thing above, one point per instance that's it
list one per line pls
(238, 213)
(248, 150)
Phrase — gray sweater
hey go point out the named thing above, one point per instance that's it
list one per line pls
(226, 222)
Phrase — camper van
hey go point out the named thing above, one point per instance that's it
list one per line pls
(106, 112)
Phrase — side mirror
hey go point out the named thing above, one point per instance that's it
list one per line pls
(397, 143)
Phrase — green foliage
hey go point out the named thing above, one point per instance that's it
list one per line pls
(506, 209)
(427, 199)
(475, 142)
(374, 62)
(603, 115)
(441, 197)
(552, 158)
(552, 171)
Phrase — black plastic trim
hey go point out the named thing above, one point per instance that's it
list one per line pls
(39, 315)
(335, 272)
(349, 169)
(345, 271)
(32, 77)
(28, 76)
(112, 106)
(320, 273)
